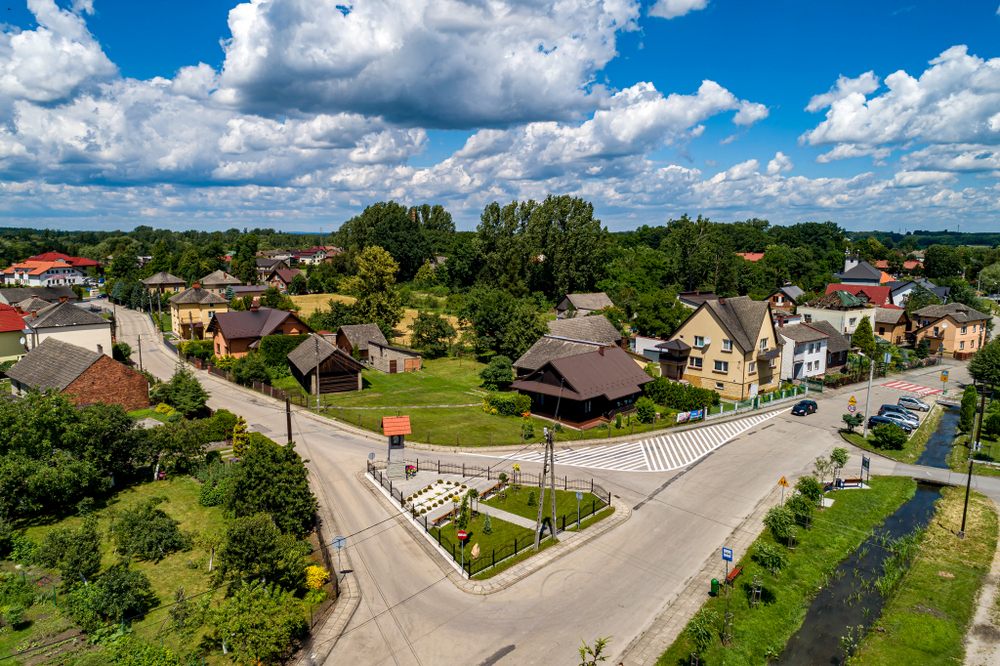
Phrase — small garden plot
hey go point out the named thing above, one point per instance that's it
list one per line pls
(437, 497)
(524, 502)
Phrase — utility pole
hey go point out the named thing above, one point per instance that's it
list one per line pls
(973, 446)
(316, 338)
(138, 340)
(288, 417)
(550, 467)
(868, 398)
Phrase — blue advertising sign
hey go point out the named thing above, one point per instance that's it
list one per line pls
(865, 462)
(727, 554)
(697, 414)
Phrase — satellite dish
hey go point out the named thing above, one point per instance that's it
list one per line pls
(944, 325)
(22, 341)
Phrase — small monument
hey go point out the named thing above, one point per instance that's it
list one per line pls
(396, 428)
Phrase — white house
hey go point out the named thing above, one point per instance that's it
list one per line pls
(69, 323)
(804, 353)
(42, 274)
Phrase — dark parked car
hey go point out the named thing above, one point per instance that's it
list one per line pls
(804, 407)
(875, 421)
(913, 403)
(895, 411)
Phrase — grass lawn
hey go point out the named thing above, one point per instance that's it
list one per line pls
(914, 445)
(148, 414)
(310, 303)
(565, 503)
(501, 539)
(837, 532)
(958, 459)
(926, 618)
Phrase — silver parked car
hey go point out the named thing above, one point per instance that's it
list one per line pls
(913, 403)
(890, 412)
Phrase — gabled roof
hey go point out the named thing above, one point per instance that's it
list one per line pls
(958, 311)
(889, 315)
(50, 294)
(802, 333)
(53, 364)
(359, 335)
(314, 351)
(875, 295)
(285, 274)
(64, 314)
(742, 317)
(608, 372)
(696, 298)
(593, 301)
(10, 320)
(837, 342)
(36, 267)
(549, 348)
(76, 262)
(163, 277)
(940, 292)
(751, 256)
(790, 290)
(908, 264)
(264, 262)
(395, 425)
(404, 350)
(251, 323)
(863, 271)
(197, 295)
(220, 277)
(32, 304)
(591, 328)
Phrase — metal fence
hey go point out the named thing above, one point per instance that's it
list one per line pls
(750, 404)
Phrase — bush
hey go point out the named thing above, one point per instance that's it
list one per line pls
(274, 349)
(800, 505)
(122, 592)
(249, 369)
(682, 397)
(498, 374)
(852, 421)
(214, 429)
(991, 424)
(202, 349)
(129, 650)
(121, 352)
(779, 520)
(889, 437)
(75, 552)
(810, 487)
(506, 404)
(224, 362)
(148, 532)
(645, 410)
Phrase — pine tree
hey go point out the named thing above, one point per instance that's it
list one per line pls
(487, 525)
(241, 438)
(864, 338)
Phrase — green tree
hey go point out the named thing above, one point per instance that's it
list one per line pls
(121, 352)
(645, 410)
(810, 487)
(244, 265)
(272, 479)
(315, 283)
(864, 338)
(123, 592)
(779, 520)
(769, 557)
(76, 553)
(920, 297)
(254, 548)
(853, 421)
(298, 285)
(989, 279)
(125, 264)
(889, 437)
(183, 392)
(967, 415)
(659, 314)
(432, 333)
(147, 532)
(250, 368)
(392, 227)
(575, 246)
(498, 374)
(230, 294)
(502, 324)
(942, 261)
(258, 626)
(985, 365)
(378, 302)
(839, 457)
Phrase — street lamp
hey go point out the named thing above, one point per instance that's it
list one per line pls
(868, 397)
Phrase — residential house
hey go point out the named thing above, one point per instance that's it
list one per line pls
(311, 257)
(592, 328)
(281, 278)
(68, 323)
(320, 366)
(164, 283)
(751, 256)
(192, 310)
(568, 337)
(266, 266)
(358, 336)
(84, 376)
(840, 308)
(693, 299)
(81, 263)
(953, 328)
(880, 296)
(42, 274)
(29, 305)
(859, 272)
(390, 360)
(239, 333)
(549, 348)
(730, 345)
(837, 346)
(585, 388)
(803, 355)
(217, 282)
(782, 318)
(254, 291)
(579, 305)
(53, 294)
(891, 324)
(901, 290)
(11, 334)
(784, 297)
(908, 264)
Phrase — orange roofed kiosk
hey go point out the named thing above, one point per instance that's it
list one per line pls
(396, 428)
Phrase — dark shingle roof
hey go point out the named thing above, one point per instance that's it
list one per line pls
(592, 328)
(249, 323)
(359, 335)
(837, 343)
(742, 316)
(53, 364)
(696, 298)
(548, 348)
(197, 295)
(163, 277)
(32, 304)
(957, 311)
(802, 333)
(64, 314)
(286, 274)
(314, 351)
(612, 374)
(50, 294)
(790, 290)
(220, 277)
(889, 315)
(863, 271)
(593, 301)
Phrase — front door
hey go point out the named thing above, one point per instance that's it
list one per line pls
(797, 373)
(392, 367)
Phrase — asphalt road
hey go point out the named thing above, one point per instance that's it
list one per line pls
(615, 586)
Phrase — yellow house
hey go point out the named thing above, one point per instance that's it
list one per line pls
(192, 310)
(959, 329)
(164, 283)
(729, 345)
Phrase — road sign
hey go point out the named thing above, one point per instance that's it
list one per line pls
(865, 462)
(727, 554)
(944, 375)
(339, 542)
(887, 358)
(783, 482)
(579, 496)
(371, 456)
(852, 401)
(852, 408)
(462, 535)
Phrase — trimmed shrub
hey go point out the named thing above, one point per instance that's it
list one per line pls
(645, 410)
(779, 520)
(890, 437)
(274, 349)
(682, 397)
(198, 348)
(506, 404)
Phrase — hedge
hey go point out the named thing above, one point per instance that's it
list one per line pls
(274, 349)
(506, 404)
(682, 397)
(202, 349)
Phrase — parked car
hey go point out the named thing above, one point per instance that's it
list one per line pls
(804, 407)
(888, 420)
(913, 403)
(902, 411)
(902, 418)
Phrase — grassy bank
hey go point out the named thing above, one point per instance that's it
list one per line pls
(763, 633)
(926, 619)
(958, 459)
(565, 503)
(914, 445)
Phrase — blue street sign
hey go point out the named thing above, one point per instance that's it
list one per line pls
(727, 554)
(865, 462)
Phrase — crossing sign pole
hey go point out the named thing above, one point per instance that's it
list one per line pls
(784, 484)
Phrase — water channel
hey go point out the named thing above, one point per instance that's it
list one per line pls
(837, 606)
(939, 443)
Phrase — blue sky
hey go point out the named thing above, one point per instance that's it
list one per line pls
(297, 113)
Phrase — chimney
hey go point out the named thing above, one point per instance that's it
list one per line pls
(253, 308)
(600, 350)
(63, 299)
(196, 286)
(722, 301)
(294, 312)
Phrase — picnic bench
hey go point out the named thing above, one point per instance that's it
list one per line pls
(733, 574)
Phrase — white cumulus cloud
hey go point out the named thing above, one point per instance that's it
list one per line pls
(669, 9)
(780, 164)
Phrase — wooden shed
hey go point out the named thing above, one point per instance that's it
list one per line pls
(338, 372)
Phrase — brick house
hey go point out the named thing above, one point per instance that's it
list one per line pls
(239, 333)
(86, 377)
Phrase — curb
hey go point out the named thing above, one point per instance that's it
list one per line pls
(335, 622)
(513, 574)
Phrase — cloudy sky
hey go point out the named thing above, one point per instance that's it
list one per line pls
(297, 113)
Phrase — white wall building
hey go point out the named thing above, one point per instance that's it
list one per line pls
(804, 353)
(42, 274)
(69, 323)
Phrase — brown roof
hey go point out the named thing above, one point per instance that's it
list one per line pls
(163, 277)
(593, 301)
(286, 274)
(549, 348)
(197, 295)
(957, 311)
(591, 328)
(742, 316)
(251, 323)
(359, 335)
(608, 372)
(314, 351)
(696, 298)
(220, 277)
(837, 343)
(802, 333)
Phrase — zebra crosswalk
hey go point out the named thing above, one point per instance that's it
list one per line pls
(655, 454)
(912, 388)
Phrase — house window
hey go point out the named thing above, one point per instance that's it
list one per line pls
(763, 344)
(695, 362)
(586, 407)
(727, 345)
(809, 366)
(773, 363)
(851, 322)
(972, 344)
(719, 386)
(722, 366)
(963, 330)
(961, 345)
(752, 367)
(211, 313)
(699, 341)
(881, 330)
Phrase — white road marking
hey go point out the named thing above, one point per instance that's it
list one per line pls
(911, 388)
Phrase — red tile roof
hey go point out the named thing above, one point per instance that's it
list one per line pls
(395, 425)
(78, 262)
(876, 295)
(10, 320)
(751, 256)
(37, 267)
(908, 265)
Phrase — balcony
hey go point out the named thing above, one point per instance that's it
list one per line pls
(768, 354)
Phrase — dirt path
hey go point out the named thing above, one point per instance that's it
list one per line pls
(982, 641)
